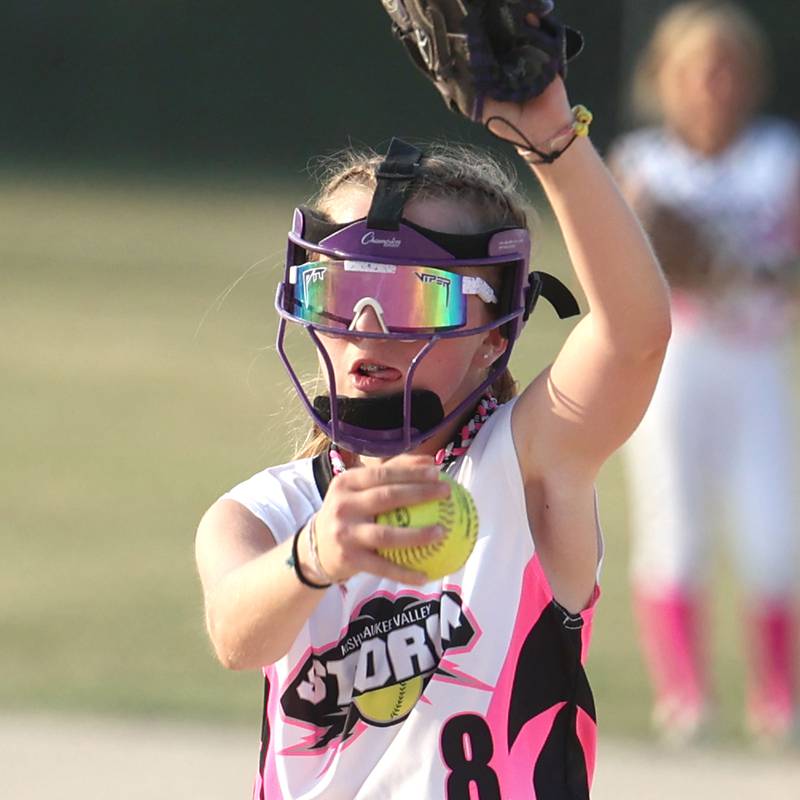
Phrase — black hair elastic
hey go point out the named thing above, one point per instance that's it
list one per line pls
(577, 129)
(295, 562)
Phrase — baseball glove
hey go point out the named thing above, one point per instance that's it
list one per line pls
(682, 245)
(473, 49)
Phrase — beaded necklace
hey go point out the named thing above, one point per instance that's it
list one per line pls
(452, 450)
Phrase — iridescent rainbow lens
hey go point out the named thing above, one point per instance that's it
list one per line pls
(407, 298)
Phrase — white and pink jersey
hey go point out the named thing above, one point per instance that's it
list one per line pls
(471, 687)
(746, 197)
(747, 201)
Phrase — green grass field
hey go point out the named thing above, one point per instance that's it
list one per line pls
(132, 397)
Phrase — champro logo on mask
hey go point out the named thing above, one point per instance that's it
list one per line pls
(372, 238)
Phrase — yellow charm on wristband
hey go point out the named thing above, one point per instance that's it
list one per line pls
(557, 145)
(583, 119)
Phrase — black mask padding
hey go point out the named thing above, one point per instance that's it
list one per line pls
(317, 226)
(385, 413)
(394, 175)
(459, 245)
(506, 298)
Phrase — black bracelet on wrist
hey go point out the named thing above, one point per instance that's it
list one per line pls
(295, 562)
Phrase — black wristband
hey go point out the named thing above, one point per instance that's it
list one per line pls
(295, 562)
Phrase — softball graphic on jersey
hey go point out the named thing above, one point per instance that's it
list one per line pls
(391, 703)
(459, 517)
(381, 664)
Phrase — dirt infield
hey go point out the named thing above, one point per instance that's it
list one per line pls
(90, 759)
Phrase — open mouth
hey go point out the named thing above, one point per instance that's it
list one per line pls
(365, 372)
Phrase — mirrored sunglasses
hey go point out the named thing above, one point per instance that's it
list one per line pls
(404, 298)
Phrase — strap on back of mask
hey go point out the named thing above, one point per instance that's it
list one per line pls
(553, 290)
(394, 175)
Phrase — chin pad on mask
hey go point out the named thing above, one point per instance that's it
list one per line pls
(384, 413)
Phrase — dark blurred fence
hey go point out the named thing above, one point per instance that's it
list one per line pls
(264, 84)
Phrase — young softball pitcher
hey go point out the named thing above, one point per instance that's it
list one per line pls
(410, 276)
(720, 187)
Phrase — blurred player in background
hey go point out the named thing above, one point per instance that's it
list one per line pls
(718, 188)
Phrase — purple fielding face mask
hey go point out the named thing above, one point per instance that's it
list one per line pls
(411, 284)
(407, 275)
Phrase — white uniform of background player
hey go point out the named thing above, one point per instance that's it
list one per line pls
(717, 446)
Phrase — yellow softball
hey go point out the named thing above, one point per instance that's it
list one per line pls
(391, 703)
(456, 514)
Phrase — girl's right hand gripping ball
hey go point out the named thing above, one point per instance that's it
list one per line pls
(456, 514)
